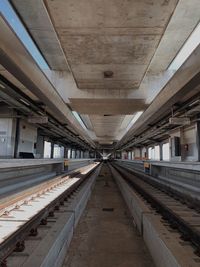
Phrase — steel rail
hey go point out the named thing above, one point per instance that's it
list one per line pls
(154, 196)
(16, 240)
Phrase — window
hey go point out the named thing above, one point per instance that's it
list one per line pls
(15, 23)
(68, 153)
(165, 151)
(47, 149)
(157, 153)
(58, 151)
(151, 153)
(154, 153)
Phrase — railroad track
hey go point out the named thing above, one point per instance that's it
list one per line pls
(21, 215)
(180, 216)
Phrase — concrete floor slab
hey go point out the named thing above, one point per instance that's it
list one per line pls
(106, 238)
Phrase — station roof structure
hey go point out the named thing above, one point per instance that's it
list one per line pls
(104, 69)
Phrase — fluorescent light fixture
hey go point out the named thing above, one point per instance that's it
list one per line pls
(41, 113)
(13, 20)
(2, 86)
(77, 116)
(24, 101)
(189, 46)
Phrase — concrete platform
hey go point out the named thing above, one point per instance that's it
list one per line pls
(20, 174)
(105, 236)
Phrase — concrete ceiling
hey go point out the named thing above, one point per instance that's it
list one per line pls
(136, 40)
(108, 106)
(106, 126)
(120, 36)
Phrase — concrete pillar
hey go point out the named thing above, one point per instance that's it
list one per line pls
(73, 154)
(87, 154)
(161, 153)
(91, 154)
(70, 153)
(40, 146)
(77, 154)
(198, 140)
(65, 152)
(52, 149)
(140, 152)
(124, 155)
(132, 154)
(17, 129)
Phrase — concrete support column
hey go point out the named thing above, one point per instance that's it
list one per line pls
(140, 152)
(40, 146)
(73, 154)
(91, 154)
(133, 154)
(52, 149)
(65, 152)
(86, 154)
(70, 153)
(198, 140)
(16, 137)
(124, 155)
(161, 152)
(77, 154)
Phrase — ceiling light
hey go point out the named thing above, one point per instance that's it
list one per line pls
(41, 113)
(24, 101)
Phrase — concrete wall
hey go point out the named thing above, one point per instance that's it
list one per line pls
(189, 149)
(27, 138)
(176, 133)
(40, 146)
(144, 152)
(137, 153)
(129, 155)
(188, 143)
(86, 154)
(124, 155)
(7, 137)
